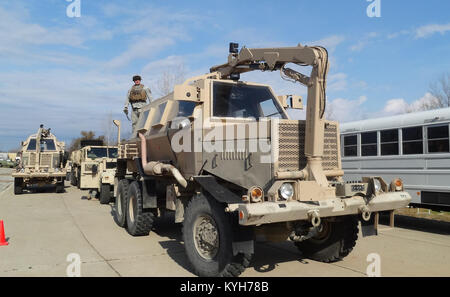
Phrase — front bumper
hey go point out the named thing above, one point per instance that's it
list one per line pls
(39, 174)
(275, 212)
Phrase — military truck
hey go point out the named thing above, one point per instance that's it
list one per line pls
(224, 155)
(93, 168)
(42, 162)
(7, 163)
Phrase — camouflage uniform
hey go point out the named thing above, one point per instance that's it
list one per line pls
(137, 96)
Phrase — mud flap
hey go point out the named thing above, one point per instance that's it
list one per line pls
(243, 240)
(368, 228)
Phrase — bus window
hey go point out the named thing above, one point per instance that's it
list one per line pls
(369, 144)
(350, 146)
(412, 141)
(389, 142)
(438, 139)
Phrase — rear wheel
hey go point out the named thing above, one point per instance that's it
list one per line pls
(105, 194)
(119, 205)
(73, 179)
(78, 178)
(139, 221)
(208, 236)
(334, 241)
(18, 185)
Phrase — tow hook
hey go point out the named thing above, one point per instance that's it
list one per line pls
(314, 218)
(365, 213)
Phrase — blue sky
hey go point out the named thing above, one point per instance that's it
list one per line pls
(73, 73)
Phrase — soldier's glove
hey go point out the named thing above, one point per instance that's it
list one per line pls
(125, 110)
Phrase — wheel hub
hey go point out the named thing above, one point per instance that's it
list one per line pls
(206, 237)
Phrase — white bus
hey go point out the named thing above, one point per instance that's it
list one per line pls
(414, 147)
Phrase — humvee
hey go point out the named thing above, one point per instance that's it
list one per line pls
(93, 167)
(227, 159)
(42, 162)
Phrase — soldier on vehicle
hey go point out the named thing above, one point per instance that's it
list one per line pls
(137, 96)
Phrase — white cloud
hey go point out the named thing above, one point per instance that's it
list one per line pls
(400, 106)
(428, 30)
(363, 42)
(329, 42)
(346, 110)
(337, 82)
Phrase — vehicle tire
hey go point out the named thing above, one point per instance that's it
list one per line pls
(18, 185)
(119, 207)
(105, 194)
(335, 241)
(73, 179)
(211, 260)
(60, 187)
(139, 221)
(78, 178)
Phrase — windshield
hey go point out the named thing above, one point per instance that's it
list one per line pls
(243, 101)
(112, 152)
(45, 145)
(185, 108)
(97, 152)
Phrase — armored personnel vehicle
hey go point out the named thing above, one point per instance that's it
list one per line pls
(226, 158)
(42, 162)
(93, 168)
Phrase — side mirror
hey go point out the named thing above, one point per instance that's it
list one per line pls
(291, 101)
(94, 169)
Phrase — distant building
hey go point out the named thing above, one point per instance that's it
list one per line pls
(4, 156)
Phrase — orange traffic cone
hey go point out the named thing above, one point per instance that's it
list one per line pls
(2, 235)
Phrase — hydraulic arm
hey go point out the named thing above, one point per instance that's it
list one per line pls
(272, 59)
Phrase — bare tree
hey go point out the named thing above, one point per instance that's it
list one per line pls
(169, 78)
(441, 90)
(85, 135)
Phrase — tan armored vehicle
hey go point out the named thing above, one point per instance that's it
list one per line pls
(42, 162)
(93, 168)
(224, 155)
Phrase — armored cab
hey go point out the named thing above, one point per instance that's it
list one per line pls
(42, 162)
(226, 157)
(93, 168)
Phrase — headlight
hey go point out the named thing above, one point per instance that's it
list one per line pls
(377, 185)
(286, 191)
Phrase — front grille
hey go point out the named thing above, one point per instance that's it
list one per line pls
(291, 154)
(46, 160)
(291, 149)
(111, 165)
(32, 160)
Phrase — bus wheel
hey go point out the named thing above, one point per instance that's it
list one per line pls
(139, 221)
(119, 205)
(207, 234)
(105, 194)
(334, 241)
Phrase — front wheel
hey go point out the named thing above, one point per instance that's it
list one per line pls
(139, 221)
(18, 185)
(105, 194)
(334, 241)
(208, 236)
